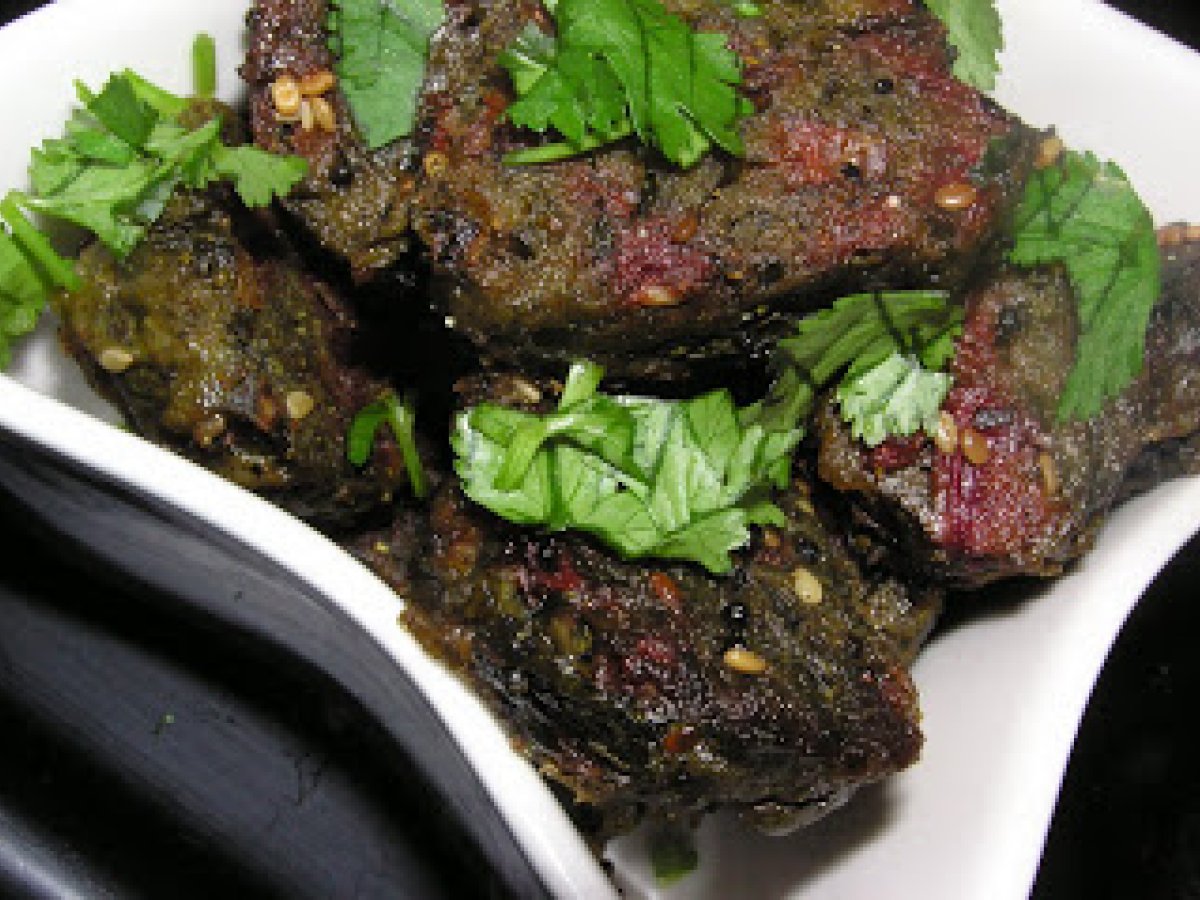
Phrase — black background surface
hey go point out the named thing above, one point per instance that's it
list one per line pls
(140, 759)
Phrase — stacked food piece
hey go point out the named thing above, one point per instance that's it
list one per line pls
(706, 586)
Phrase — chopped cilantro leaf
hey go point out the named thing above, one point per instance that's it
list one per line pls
(625, 67)
(169, 106)
(898, 396)
(1086, 215)
(381, 48)
(744, 9)
(887, 348)
(670, 479)
(119, 109)
(256, 176)
(974, 30)
(42, 258)
(22, 293)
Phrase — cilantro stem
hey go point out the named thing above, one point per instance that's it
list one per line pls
(525, 444)
(402, 418)
(559, 150)
(583, 380)
(53, 266)
(204, 66)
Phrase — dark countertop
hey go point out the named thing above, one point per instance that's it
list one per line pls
(124, 742)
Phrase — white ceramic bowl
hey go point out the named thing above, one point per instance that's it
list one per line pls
(1002, 694)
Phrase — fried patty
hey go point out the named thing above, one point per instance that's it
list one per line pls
(354, 201)
(867, 164)
(1009, 489)
(214, 342)
(652, 687)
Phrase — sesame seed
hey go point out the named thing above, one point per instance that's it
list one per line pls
(807, 586)
(946, 436)
(208, 430)
(1049, 473)
(657, 295)
(115, 359)
(314, 84)
(299, 404)
(956, 196)
(285, 94)
(525, 390)
(435, 164)
(686, 229)
(743, 661)
(1048, 152)
(975, 447)
(322, 114)
(1177, 234)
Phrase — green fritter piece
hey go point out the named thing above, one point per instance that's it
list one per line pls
(655, 689)
(213, 342)
(123, 152)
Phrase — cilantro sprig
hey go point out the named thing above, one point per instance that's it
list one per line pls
(1085, 214)
(974, 30)
(885, 350)
(625, 67)
(670, 479)
(399, 416)
(382, 47)
(123, 153)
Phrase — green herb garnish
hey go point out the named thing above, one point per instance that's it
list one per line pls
(885, 349)
(898, 396)
(625, 67)
(399, 416)
(1086, 215)
(974, 30)
(382, 47)
(670, 479)
(24, 283)
(746, 10)
(122, 155)
(673, 855)
(204, 67)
